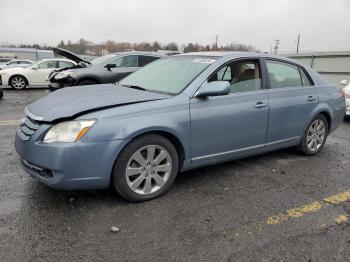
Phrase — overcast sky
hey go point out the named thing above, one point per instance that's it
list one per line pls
(323, 24)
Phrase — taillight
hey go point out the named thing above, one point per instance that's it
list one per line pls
(342, 91)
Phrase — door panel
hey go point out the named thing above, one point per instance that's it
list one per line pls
(39, 75)
(124, 66)
(224, 125)
(292, 100)
(290, 110)
(117, 74)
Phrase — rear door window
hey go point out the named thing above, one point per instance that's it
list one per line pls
(47, 65)
(126, 61)
(283, 74)
(64, 64)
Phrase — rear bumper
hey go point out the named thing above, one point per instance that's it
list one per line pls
(69, 166)
(347, 106)
(4, 80)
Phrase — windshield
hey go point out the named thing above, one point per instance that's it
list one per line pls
(169, 75)
(103, 60)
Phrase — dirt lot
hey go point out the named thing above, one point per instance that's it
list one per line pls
(280, 206)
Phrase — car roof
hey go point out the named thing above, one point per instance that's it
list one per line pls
(236, 54)
(20, 60)
(55, 59)
(139, 53)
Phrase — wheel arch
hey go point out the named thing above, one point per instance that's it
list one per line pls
(10, 78)
(327, 115)
(174, 139)
(88, 78)
(326, 111)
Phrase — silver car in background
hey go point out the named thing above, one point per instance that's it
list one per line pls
(16, 63)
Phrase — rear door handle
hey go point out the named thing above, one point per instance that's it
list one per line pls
(311, 98)
(260, 105)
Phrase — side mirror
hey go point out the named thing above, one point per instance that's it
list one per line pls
(35, 67)
(215, 88)
(343, 82)
(109, 66)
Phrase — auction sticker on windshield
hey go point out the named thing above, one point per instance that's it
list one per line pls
(203, 60)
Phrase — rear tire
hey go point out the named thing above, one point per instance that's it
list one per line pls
(315, 136)
(146, 168)
(18, 82)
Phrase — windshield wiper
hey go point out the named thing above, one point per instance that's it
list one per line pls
(135, 87)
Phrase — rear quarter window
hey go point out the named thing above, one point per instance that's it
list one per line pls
(305, 79)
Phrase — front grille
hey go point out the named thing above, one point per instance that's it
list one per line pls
(37, 170)
(27, 128)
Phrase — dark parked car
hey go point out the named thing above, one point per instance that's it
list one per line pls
(106, 69)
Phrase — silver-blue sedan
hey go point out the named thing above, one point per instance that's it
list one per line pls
(176, 114)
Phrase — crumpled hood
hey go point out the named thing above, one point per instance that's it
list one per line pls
(72, 101)
(69, 55)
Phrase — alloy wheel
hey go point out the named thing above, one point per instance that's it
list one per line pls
(18, 82)
(148, 169)
(316, 135)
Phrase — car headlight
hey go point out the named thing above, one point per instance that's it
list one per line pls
(69, 131)
(63, 74)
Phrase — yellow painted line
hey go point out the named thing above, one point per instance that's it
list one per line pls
(343, 218)
(9, 122)
(297, 212)
(294, 213)
(336, 199)
(308, 208)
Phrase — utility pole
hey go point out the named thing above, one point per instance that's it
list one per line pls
(216, 42)
(298, 42)
(276, 45)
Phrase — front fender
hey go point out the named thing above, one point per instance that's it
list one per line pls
(174, 120)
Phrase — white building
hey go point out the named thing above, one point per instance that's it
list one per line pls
(335, 66)
(25, 53)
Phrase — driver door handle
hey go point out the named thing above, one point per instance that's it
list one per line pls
(311, 98)
(259, 105)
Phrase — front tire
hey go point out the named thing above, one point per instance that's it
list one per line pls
(18, 82)
(146, 168)
(315, 136)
